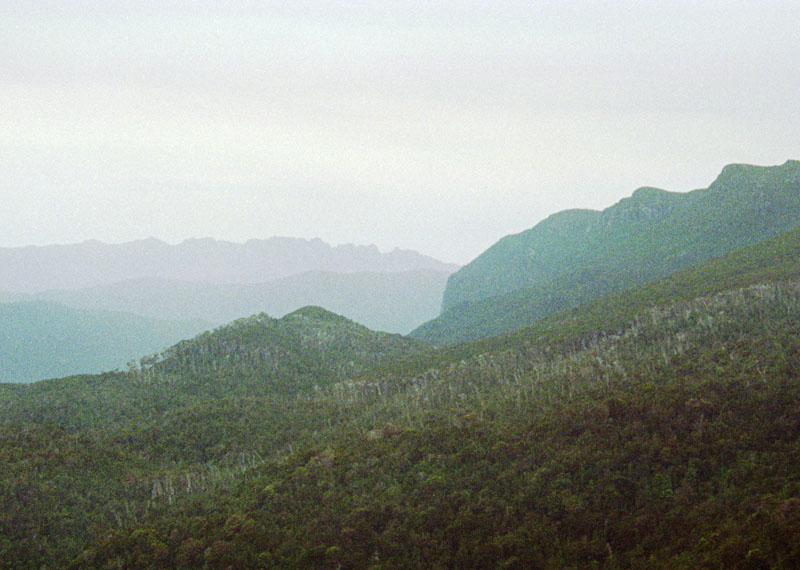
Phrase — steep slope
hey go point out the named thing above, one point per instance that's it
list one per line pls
(41, 268)
(578, 255)
(47, 340)
(394, 302)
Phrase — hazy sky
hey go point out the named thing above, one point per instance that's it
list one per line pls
(437, 126)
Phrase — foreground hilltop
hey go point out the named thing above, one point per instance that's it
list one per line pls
(87, 453)
(308, 347)
(577, 255)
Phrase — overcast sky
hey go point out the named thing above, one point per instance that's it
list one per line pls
(436, 126)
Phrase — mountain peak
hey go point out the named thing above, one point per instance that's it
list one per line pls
(644, 204)
(313, 312)
(649, 193)
(572, 218)
(738, 174)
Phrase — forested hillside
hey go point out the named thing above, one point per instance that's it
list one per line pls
(579, 255)
(656, 428)
(310, 347)
(656, 447)
(85, 454)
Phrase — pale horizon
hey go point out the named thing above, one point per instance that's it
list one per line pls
(433, 127)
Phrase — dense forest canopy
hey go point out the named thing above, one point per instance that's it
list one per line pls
(656, 427)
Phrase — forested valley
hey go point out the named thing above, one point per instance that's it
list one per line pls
(655, 428)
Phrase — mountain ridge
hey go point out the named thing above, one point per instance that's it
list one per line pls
(30, 269)
(644, 236)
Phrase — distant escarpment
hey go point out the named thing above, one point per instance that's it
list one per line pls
(578, 255)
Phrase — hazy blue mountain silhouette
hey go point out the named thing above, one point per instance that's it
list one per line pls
(40, 268)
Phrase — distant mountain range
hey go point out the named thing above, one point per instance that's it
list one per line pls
(35, 269)
(92, 306)
(575, 256)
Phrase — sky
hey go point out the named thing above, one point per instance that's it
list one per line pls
(434, 126)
